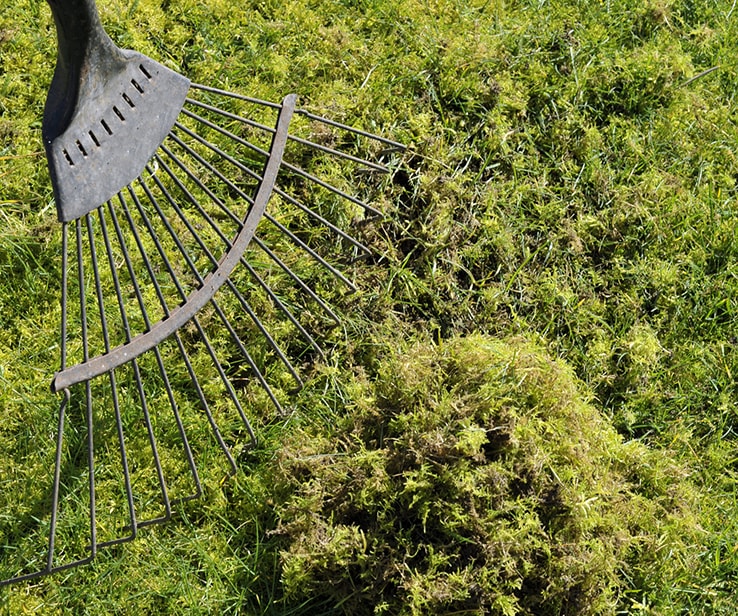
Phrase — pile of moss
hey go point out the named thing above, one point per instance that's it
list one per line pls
(475, 477)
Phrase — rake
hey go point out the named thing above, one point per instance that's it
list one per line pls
(169, 257)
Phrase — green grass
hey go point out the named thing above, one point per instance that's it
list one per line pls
(531, 405)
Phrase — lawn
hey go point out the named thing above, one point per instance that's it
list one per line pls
(530, 406)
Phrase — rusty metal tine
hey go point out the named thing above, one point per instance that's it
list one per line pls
(193, 232)
(299, 281)
(194, 201)
(357, 131)
(228, 243)
(204, 402)
(271, 219)
(224, 378)
(201, 331)
(336, 273)
(236, 339)
(264, 332)
(172, 233)
(65, 401)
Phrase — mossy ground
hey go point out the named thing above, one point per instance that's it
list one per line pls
(531, 408)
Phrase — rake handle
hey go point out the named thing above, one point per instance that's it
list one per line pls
(82, 43)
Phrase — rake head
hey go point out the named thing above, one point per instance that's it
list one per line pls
(170, 260)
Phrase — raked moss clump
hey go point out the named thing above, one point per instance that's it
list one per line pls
(475, 477)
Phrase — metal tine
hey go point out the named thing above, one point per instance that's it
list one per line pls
(268, 216)
(324, 221)
(160, 362)
(303, 285)
(304, 112)
(193, 200)
(243, 97)
(279, 191)
(206, 407)
(247, 355)
(56, 485)
(185, 220)
(173, 234)
(270, 129)
(244, 196)
(227, 381)
(210, 255)
(244, 262)
(259, 243)
(56, 488)
(113, 385)
(239, 296)
(149, 267)
(311, 252)
(64, 295)
(285, 164)
(88, 388)
(286, 311)
(134, 362)
(180, 289)
(262, 328)
(294, 276)
(357, 131)
(281, 227)
(201, 331)
(227, 210)
(62, 407)
(220, 233)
